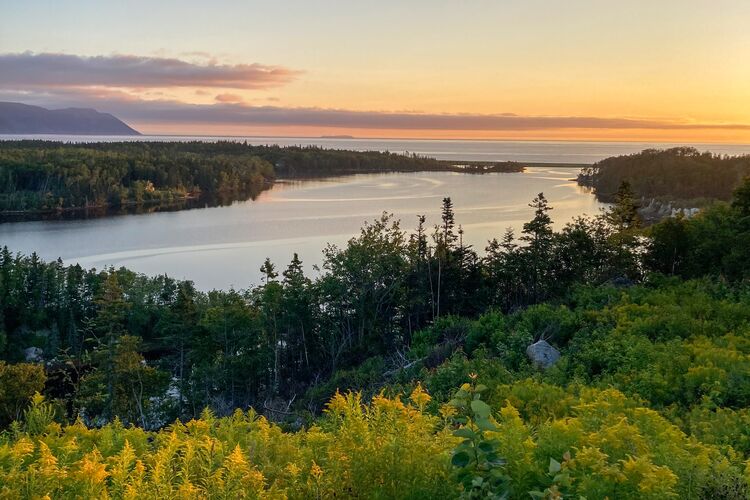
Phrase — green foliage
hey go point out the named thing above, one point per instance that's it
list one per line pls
(481, 332)
(366, 378)
(741, 198)
(715, 242)
(314, 161)
(678, 174)
(18, 383)
(38, 417)
(38, 176)
(446, 330)
(479, 466)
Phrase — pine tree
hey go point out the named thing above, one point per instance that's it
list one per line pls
(623, 215)
(448, 223)
(296, 318)
(179, 327)
(269, 271)
(538, 233)
(106, 328)
(741, 198)
(445, 240)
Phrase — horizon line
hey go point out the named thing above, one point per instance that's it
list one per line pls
(385, 138)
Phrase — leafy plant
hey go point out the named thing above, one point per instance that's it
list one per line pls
(479, 467)
(560, 480)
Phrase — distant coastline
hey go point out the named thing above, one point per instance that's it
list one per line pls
(564, 153)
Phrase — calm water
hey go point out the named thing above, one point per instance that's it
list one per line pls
(523, 151)
(225, 246)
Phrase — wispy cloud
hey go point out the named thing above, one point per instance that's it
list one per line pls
(228, 110)
(234, 113)
(51, 70)
(233, 98)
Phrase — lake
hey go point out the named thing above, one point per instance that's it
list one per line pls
(222, 247)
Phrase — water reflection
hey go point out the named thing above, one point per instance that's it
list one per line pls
(223, 246)
(203, 201)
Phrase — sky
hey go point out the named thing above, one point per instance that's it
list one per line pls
(665, 70)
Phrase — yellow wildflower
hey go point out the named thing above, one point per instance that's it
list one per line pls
(337, 404)
(420, 396)
(447, 411)
(316, 471)
(292, 469)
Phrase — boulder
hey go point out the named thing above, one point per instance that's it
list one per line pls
(542, 354)
(33, 355)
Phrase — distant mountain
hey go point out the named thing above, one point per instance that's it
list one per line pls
(17, 118)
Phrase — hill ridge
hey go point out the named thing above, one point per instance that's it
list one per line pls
(19, 118)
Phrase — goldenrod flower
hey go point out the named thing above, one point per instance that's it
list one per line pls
(316, 471)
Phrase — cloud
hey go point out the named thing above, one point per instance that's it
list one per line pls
(51, 70)
(137, 89)
(234, 98)
(228, 110)
(241, 114)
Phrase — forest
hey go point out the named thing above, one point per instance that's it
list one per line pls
(313, 161)
(39, 178)
(399, 371)
(44, 177)
(681, 174)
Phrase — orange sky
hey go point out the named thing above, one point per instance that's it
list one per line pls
(691, 136)
(680, 65)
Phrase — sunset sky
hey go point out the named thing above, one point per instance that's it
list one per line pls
(662, 70)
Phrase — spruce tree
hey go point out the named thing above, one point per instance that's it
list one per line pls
(623, 215)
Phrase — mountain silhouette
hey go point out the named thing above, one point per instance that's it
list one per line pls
(17, 118)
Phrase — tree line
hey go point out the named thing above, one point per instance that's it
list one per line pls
(41, 176)
(677, 174)
(46, 176)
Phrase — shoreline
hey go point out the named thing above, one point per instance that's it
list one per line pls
(130, 207)
(214, 199)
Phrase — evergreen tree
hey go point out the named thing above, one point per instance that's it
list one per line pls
(445, 240)
(269, 271)
(538, 231)
(448, 222)
(178, 327)
(297, 320)
(107, 327)
(538, 234)
(741, 198)
(623, 215)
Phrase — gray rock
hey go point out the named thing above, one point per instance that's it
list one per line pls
(33, 355)
(542, 354)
